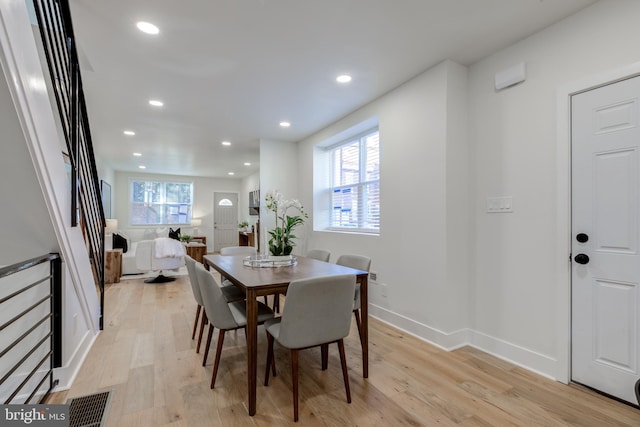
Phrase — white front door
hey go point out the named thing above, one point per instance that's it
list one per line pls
(225, 220)
(606, 238)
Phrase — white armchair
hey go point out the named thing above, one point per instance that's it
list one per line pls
(147, 257)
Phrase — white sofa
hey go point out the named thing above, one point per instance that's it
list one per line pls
(129, 259)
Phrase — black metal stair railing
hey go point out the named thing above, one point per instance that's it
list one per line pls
(59, 45)
(30, 329)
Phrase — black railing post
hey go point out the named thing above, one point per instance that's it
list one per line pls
(56, 309)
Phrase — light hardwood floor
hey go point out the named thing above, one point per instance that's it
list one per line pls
(146, 356)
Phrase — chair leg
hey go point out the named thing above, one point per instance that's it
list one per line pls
(276, 303)
(217, 361)
(202, 323)
(324, 351)
(270, 360)
(195, 322)
(345, 375)
(294, 381)
(206, 350)
(356, 313)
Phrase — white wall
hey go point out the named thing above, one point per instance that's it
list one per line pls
(513, 137)
(249, 184)
(27, 225)
(278, 171)
(106, 173)
(421, 254)
(203, 189)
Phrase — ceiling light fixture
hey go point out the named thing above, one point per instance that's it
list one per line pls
(129, 132)
(137, 154)
(247, 164)
(156, 103)
(285, 124)
(226, 143)
(142, 167)
(231, 173)
(147, 27)
(343, 78)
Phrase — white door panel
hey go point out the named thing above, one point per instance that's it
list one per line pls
(225, 220)
(605, 193)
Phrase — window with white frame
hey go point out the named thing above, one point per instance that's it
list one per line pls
(355, 184)
(160, 203)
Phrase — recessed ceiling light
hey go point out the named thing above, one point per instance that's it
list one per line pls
(147, 27)
(156, 103)
(231, 173)
(142, 167)
(129, 132)
(227, 143)
(285, 124)
(343, 78)
(247, 164)
(137, 154)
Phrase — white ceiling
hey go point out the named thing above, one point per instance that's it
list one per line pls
(233, 69)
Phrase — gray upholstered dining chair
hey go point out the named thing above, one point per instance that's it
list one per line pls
(195, 288)
(230, 294)
(226, 316)
(319, 254)
(243, 250)
(231, 289)
(318, 312)
(359, 262)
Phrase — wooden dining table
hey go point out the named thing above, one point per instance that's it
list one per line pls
(259, 281)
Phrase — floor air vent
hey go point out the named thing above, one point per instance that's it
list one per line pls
(89, 411)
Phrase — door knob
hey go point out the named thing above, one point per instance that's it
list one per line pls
(582, 238)
(582, 259)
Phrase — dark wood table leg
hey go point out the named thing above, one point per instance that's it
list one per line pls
(364, 311)
(252, 348)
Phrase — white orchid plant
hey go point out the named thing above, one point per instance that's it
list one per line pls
(281, 241)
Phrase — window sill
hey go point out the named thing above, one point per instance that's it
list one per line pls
(358, 232)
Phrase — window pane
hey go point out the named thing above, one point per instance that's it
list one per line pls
(372, 157)
(142, 214)
(345, 207)
(177, 214)
(146, 192)
(347, 164)
(371, 216)
(178, 193)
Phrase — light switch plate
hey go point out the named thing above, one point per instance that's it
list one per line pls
(501, 204)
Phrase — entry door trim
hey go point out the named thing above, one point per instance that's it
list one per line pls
(563, 203)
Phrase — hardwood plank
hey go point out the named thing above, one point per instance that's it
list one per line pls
(143, 353)
(139, 390)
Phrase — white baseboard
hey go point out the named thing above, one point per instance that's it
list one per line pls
(526, 358)
(67, 374)
(536, 362)
(446, 341)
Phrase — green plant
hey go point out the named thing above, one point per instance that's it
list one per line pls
(185, 238)
(243, 224)
(281, 241)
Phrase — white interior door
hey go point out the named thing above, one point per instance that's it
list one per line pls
(605, 238)
(225, 220)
